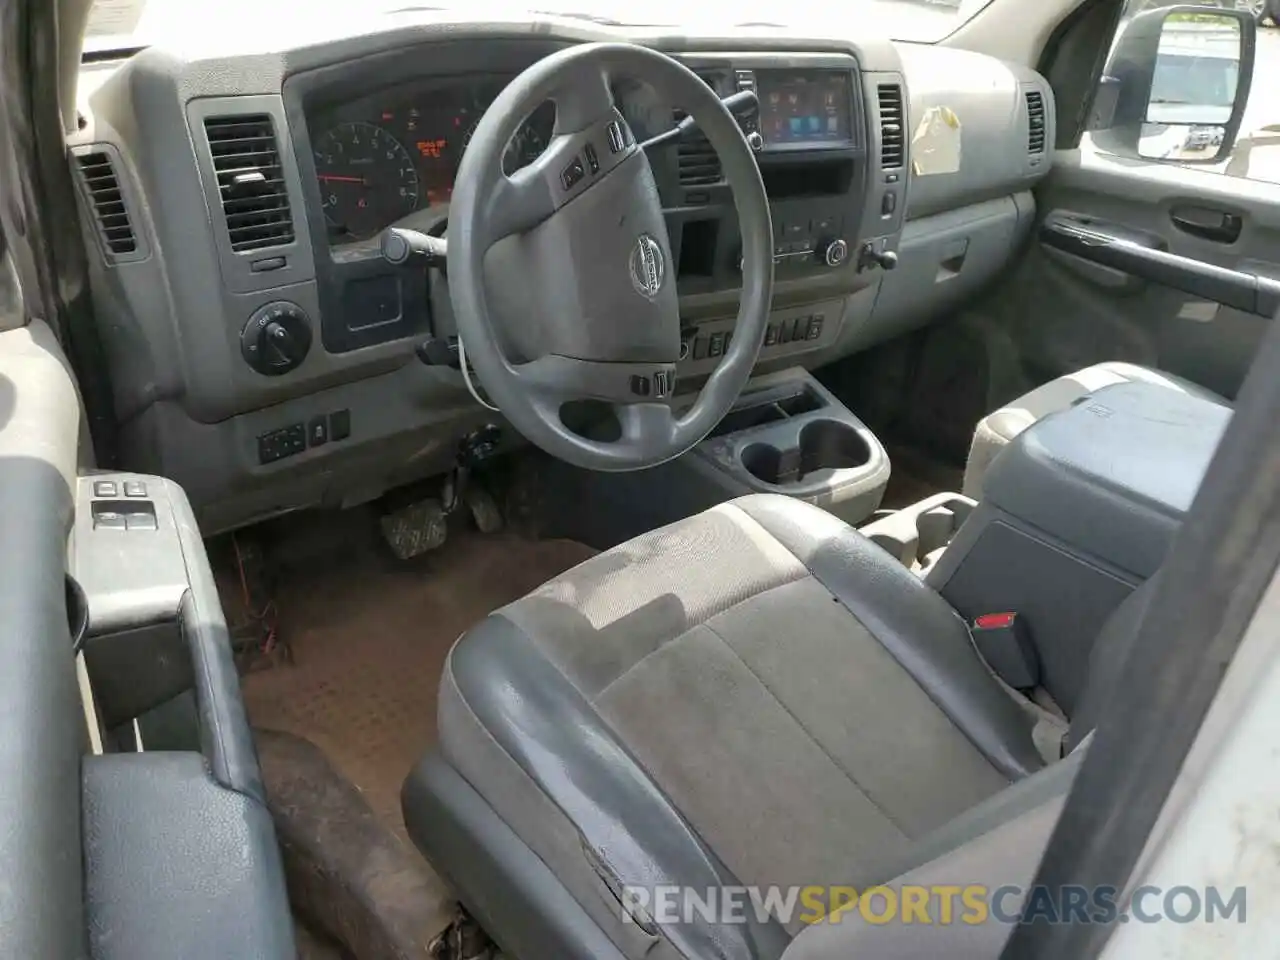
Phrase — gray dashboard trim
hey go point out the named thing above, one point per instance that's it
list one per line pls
(172, 320)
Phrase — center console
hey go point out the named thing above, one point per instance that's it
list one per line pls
(1078, 511)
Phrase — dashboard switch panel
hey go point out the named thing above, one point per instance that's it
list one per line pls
(282, 443)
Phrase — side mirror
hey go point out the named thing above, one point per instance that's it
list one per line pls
(1176, 85)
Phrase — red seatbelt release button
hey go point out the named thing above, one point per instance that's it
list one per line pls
(994, 621)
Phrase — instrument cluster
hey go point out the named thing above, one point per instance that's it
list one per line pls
(383, 157)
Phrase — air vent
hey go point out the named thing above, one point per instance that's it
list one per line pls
(98, 174)
(1035, 113)
(250, 181)
(892, 136)
(699, 166)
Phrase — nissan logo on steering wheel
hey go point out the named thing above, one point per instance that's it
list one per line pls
(648, 266)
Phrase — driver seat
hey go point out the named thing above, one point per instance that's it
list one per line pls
(754, 695)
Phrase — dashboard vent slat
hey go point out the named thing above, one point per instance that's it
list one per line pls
(1035, 114)
(251, 187)
(892, 124)
(696, 159)
(98, 174)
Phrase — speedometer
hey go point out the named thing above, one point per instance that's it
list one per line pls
(367, 180)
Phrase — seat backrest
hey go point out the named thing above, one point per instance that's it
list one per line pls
(1110, 651)
(996, 844)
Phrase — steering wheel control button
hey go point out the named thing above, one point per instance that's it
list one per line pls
(836, 253)
(663, 381)
(276, 339)
(572, 174)
(648, 266)
(593, 160)
(617, 137)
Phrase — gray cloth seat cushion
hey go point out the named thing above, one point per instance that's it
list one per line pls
(755, 695)
(994, 431)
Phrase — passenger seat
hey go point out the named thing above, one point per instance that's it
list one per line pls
(997, 429)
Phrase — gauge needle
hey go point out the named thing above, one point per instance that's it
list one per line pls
(334, 178)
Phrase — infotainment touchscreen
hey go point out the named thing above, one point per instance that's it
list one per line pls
(804, 107)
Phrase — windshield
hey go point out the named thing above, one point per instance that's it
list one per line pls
(126, 24)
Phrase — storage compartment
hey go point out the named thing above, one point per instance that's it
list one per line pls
(1113, 475)
(917, 535)
(767, 407)
(942, 259)
(823, 445)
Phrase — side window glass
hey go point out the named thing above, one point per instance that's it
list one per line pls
(1197, 68)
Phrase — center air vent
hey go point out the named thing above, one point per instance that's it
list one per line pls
(251, 184)
(1035, 113)
(98, 174)
(892, 137)
(697, 160)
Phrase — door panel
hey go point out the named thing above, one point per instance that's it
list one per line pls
(42, 726)
(1064, 313)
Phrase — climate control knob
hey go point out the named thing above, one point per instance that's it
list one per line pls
(835, 253)
(276, 339)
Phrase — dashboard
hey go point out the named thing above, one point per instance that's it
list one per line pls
(388, 154)
(265, 356)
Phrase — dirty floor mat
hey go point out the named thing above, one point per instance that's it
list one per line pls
(369, 636)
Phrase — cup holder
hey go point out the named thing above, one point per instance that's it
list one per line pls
(822, 445)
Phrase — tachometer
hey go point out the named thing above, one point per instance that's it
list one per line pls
(367, 179)
(529, 141)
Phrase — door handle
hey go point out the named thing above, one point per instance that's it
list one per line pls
(1217, 226)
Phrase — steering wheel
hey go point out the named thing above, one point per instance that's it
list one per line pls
(582, 229)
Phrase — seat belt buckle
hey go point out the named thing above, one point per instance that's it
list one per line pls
(1005, 643)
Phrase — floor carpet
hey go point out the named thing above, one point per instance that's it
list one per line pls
(368, 638)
